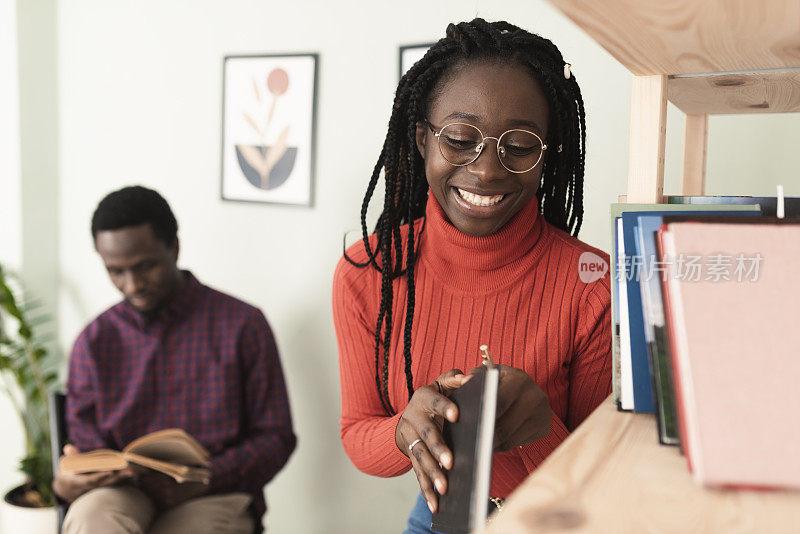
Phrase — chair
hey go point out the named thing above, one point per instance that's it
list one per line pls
(58, 438)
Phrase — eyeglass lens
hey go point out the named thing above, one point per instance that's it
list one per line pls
(518, 150)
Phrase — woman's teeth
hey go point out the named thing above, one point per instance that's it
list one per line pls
(478, 200)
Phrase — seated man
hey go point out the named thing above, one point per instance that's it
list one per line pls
(173, 354)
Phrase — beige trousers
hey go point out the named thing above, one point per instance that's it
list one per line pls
(126, 510)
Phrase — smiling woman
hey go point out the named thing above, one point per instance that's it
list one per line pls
(490, 123)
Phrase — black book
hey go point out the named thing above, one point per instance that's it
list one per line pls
(769, 205)
(465, 506)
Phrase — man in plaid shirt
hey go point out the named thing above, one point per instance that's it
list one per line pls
(173, 354)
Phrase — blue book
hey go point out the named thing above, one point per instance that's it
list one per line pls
(639, 358)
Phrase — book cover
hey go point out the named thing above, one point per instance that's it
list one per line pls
(464, 507)
(626, 396)
(735, 338)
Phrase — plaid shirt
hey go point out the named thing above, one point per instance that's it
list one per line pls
(207, 364)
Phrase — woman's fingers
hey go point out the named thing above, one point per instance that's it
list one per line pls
(431, 434)
(526, 417)
(428, 474)
(451, 381)
(421, 425)
(425, 486)
(426, 467)
(514, 428)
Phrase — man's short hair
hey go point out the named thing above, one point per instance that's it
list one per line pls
(134, 206)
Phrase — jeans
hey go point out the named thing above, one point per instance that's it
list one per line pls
(419, 521)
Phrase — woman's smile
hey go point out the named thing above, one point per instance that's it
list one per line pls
(479, 204)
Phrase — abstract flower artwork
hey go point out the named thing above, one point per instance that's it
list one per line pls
(268, 128)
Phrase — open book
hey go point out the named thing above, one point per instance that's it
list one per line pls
(171, 451)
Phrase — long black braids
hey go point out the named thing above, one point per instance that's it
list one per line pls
(560, 192)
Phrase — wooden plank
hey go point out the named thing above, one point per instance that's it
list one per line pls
(760, 92)
(647, 137)
(692, 36)
(611, 475)
(695, 146)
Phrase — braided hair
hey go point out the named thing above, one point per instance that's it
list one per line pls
(560, 192)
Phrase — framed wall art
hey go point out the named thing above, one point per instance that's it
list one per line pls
(410, 54)
(268, 134)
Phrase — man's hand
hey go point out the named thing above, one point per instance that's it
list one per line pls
(165, 492)
(523, 413)
(70, 486)
(422, 420)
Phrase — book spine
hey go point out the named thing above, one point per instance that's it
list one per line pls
(673, 317)
(483, 475)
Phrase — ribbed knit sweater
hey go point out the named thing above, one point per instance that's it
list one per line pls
(517, 291)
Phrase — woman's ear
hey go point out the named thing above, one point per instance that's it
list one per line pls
(422, 132)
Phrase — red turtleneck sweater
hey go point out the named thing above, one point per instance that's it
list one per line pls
(517, 291)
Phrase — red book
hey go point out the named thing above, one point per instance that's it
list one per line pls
(731, 298)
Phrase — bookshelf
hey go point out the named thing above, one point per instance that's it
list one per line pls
(706, 57)
(611, 475)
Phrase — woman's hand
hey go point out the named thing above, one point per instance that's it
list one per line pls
(421, 426)
(70, 486)
(523, 413)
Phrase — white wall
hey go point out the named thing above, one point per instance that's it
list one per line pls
(139, 90)
(10, 183)
(10, 209)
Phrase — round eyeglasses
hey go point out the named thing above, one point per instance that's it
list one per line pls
(461, 144)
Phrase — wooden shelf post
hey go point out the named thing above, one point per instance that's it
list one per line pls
(695, 145)
(647, 139)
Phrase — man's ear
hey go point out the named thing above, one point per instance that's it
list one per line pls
(176, 248)
(422, 133)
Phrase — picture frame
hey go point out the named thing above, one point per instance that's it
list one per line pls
(410, 54)
(268, 146)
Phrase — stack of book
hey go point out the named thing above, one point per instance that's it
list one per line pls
(702, 300)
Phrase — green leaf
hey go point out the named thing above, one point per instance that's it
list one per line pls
(20, 312)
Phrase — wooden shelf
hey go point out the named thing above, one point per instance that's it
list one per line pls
(706, 57)
(611, 475)
(755, 92)
(692, 36)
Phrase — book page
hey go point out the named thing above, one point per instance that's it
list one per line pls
(170, 445)
(93, 461)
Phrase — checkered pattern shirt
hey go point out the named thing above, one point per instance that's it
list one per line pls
(207, 363)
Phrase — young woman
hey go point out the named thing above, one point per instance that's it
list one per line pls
(483, 168)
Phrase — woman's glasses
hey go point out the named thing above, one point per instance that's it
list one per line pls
(460, 144)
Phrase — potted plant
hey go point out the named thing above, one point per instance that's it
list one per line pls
(28, 372)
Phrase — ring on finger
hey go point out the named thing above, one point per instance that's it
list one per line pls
(411, 447)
